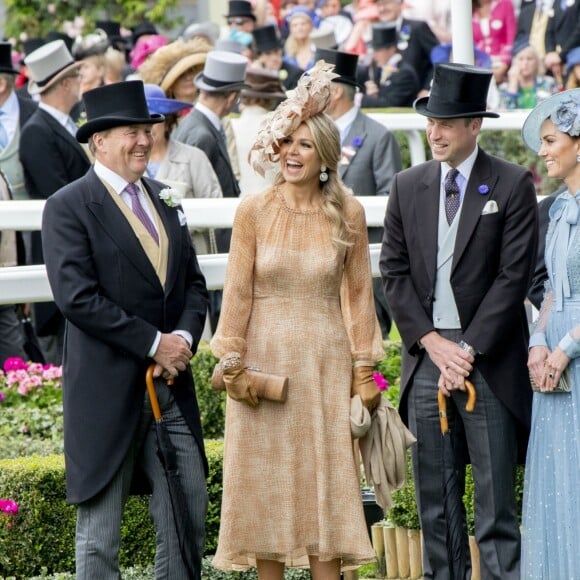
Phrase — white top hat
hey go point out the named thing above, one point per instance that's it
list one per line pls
(47, 65)
(223, 71)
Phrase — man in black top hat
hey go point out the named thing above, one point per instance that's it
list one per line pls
(123, 271)
(240, 16)
(370, 153)
(14, 112)
(268, 53)
(388, 80)
(458, 254)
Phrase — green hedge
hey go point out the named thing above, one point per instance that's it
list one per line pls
(40, 538)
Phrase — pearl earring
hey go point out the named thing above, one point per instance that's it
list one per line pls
(578, 158)
(323, 174)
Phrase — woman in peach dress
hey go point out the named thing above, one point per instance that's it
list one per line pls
(298, 303)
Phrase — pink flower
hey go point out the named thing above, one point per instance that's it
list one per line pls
(24, 388)
(51, 373)
(14, 363)
(8, 506)
(35, 367)
(2, 397)
(380, 381)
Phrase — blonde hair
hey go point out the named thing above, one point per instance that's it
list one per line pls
(291, 45)
(326, 140)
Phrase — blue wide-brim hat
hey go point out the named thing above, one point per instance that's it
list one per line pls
(533, 123)
(115, 105)
(158, 103)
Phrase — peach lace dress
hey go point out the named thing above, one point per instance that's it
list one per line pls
(294, 305)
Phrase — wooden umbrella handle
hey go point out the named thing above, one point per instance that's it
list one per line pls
(152, 393)
(442, 404)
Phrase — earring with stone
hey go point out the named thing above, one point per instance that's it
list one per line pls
(577, 158)
(323, 174)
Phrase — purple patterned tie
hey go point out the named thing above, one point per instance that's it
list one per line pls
(451, 195)
(140, 212)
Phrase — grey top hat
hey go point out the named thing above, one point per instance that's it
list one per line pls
(47, 65)
(223, 71)
(208, 29)
(564, 111)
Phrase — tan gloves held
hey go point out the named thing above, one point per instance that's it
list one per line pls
(237, 380)
(364, 385)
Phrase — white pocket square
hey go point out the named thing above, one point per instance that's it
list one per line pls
(490, 207)
(183, 219)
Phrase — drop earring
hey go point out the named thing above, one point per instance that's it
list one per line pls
(578, 158)
(323, 174)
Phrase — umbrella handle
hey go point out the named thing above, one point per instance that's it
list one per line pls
(442, 404)
(152, 393)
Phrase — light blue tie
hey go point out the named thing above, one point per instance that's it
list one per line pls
(3, 133)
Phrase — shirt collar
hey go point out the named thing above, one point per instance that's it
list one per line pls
(117, 182)
(10, 107)
(464, 168)
(345, 121)
(61, 117)
(213, 118)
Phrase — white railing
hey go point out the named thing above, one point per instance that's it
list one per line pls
(30, 284)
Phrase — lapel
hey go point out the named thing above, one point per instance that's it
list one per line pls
(473, 203)
(427, 216)
(357, 129)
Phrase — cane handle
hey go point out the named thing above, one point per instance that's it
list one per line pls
(152, 393)
(442, 404)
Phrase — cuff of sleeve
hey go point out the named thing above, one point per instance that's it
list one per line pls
(570, 346)
(538, 339)
(363, 363)
(155, 345)
(184, 334)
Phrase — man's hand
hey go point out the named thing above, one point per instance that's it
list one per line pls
(172, 356)
(454, 363)
(537, 363)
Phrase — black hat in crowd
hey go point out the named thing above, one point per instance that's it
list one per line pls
(115, 105)
(30, 45)
(384, 35)
(240, 9)
(68, 41)
(113, 31)
(457, 91)
(345, 65)
(142, 29)
(266, 38)
(6, 66)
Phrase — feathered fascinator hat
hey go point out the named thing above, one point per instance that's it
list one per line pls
(309, 98)
(564, 111)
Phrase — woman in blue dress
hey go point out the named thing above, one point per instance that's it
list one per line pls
(551, 510)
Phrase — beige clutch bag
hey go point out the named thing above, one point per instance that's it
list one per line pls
(268, 387)
(563, 386)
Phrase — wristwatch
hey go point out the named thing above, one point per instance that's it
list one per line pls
(467, 348)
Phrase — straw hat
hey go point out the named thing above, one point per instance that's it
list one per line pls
(47, 65)
(169, 62)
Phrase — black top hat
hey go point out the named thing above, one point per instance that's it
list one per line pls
(6, 59)
(240, 8)
(384, 35)
(344, 65)
(31, 45)
(68, 41)
(266, 38)
(113, 31)
(457, 91)
(142, 29)
(115, 105)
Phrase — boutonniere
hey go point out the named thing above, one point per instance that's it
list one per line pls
(405, 33)
(357, 142)
(483, 189)
(170, 196)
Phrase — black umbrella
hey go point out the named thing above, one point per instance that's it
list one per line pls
(457, 538)
(31, 345)
(168, 457)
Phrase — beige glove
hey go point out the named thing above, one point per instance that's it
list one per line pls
(364, 385)
(238, 384)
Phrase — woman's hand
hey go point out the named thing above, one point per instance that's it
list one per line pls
(555, 364)
(239, 387)
(364, 385)
(536, 363)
